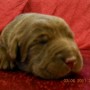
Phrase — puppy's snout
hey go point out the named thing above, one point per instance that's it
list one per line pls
(71, 61)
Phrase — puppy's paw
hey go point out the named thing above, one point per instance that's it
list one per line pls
(5, 62)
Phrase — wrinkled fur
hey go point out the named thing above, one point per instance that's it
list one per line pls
(39, 44)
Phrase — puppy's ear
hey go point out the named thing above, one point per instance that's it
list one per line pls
(19, 47)
(24, 49)
(12, 50)
(11, 35)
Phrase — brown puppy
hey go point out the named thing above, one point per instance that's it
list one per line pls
(40, 44)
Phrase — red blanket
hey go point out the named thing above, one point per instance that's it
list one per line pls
(77, 15)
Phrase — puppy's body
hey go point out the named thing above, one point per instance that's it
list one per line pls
(39, 44)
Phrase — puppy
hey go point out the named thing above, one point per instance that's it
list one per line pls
(40, 44)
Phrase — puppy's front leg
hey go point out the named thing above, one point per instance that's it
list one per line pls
(5, 60)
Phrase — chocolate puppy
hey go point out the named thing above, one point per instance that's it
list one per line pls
(39, 44)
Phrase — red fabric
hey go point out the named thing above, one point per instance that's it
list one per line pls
(9, 9)
(77, 15)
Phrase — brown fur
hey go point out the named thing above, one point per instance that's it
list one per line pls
(39, 44)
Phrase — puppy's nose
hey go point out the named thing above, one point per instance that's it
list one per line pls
(71, 61)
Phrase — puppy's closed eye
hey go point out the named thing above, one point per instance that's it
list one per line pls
(43, 39)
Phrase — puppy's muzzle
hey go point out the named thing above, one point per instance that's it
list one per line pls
(61, 58)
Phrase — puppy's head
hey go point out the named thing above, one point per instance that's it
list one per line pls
(46, 46)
